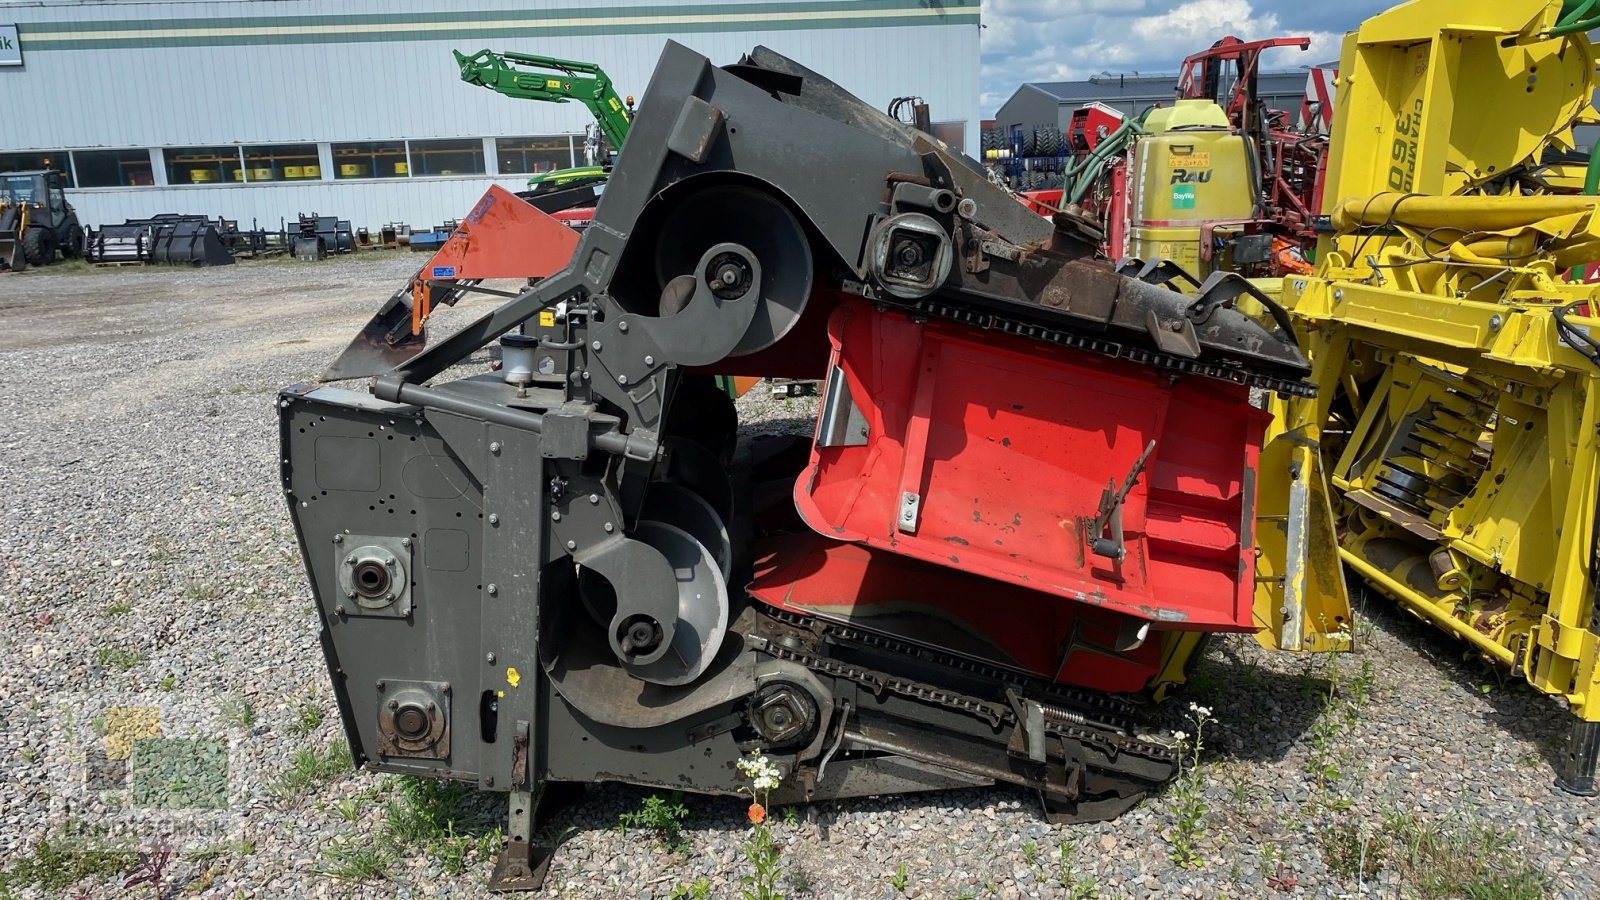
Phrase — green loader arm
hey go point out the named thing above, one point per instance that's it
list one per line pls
(529, 77)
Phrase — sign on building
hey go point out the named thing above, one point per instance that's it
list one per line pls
(10, 46)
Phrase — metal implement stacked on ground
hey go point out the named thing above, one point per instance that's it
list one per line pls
(1031, 493)
(1457, 369)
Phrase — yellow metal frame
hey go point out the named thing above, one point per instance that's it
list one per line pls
(1457, 423)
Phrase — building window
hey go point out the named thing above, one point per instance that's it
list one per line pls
(447, 157)
(370, 159)
(531, 155)
(282, 162)
(36, 159)
(203, 165)
(954, 134)
(113, 168)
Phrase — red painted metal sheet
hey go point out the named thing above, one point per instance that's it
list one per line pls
(505, 237)
(951, 610)
(1008, 444)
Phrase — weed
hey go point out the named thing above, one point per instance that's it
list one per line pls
(64, 859)
(799, 882)
(791, 816)
(118, 609)
(761, 849)
(202, 591)
(662, 816)
(118, 658)
(307, 717)
(699, 890)
(312, 768)
(1434, 863)
(901, 879)
(1077, 887)
(450, 821)
(161, 549)
(239, 712)
(152, 867)
(349, 808)
(168, 683)
(1189, 798)
(358, 861)
(1030, 853)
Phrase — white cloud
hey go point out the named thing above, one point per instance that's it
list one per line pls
(1068, 40)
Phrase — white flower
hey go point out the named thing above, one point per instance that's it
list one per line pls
(1179, 736)
(1203, 712)
(760, 770)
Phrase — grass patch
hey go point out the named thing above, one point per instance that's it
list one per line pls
(161, 549)
(450, 821)
(308, 717)
(313, 768)
(118, 609)
(120, 659)
(359, 861)
(202, 591)
(62, 860)
(239, 712)
(1475, 861)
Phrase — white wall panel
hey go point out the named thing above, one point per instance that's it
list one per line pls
(172, 96)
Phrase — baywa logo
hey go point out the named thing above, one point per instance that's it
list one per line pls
(6, 43)
(137, 769)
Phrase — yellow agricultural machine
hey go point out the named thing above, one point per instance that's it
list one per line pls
(1457, 358)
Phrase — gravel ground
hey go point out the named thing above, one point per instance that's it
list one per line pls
(148, 563)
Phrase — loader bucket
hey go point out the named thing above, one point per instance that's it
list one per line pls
(503, 237)
(189, 243)
(11, 251)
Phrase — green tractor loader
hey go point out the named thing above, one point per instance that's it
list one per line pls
(36, 220)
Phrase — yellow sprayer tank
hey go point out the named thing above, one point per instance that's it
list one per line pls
(1189, 168)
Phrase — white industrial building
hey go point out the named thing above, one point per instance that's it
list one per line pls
(257, 110)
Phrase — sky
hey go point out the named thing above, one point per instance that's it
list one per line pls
(1069, 40)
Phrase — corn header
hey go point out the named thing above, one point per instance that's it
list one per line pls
(1457, 363)
(1030, 494)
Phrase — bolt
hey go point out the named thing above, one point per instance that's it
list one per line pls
(494, 447)
(585, 374)
(622, 379)
(622, 327)
(405, 542)
(488, 781)
(594, 499)
(432, 707)
(1338, 294)
(350, 560)
(493, 589)
(572, 545)
(383, 686)
(489, 658)
(349, 595)
(649, 360)
(339, 609)
(595, 346)
(338, 539)
(394, 704)
(555, 515)
(445, 687)
(1495, 322)
(494, 519)
(610, 528)
(389, 562)
(1175, 325)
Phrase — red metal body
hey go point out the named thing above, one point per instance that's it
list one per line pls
(1008, 446)
(503, 237)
